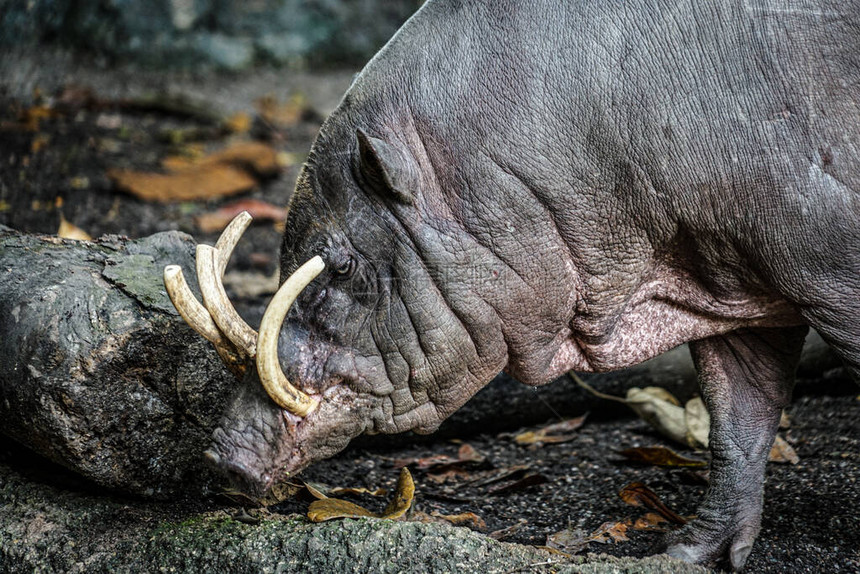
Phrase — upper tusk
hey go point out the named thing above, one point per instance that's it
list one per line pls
(229, 238)
(215, 298)
(273, 378)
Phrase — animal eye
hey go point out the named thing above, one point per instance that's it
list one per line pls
(346, 268)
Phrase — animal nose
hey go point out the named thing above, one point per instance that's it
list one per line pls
(240, 475)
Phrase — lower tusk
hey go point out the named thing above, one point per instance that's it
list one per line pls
(218, 304)
(198, 318)
(189, 307)
(272, 376)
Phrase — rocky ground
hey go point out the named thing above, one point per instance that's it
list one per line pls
(65, 125)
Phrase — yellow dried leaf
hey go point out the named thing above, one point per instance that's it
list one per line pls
(402, 496)
(330, 508)
(70, 231)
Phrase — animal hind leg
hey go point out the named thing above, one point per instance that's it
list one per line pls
(746, 379)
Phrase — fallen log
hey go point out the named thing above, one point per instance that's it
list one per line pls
(97, 370)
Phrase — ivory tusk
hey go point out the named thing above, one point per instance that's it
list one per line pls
(218, 304)
(198, 318)
(272, 376)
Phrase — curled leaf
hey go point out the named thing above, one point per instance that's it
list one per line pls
(637, 494)
(331, 508)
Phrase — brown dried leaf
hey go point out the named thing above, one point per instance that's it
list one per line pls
(637, 494)
(528, 480)
(661, 456)
(260, 210)
(213, 181)
(610, 532)
(280, 492)
(660, 409)
(552, 434)
(498, 475)
(255, 157)
(469, 519)
(442, 463)
(650, 521)
(70, 231)
(782, 452)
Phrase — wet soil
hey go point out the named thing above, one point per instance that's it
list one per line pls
(58, 166)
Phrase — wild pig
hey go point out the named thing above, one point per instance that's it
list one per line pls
(549, 186)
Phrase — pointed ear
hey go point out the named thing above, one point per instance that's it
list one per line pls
(386, 167)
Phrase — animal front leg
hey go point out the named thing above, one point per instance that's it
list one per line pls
(746, 379)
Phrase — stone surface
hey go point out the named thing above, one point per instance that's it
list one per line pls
(47, 529)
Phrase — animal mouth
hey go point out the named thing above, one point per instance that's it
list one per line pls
(238, 345)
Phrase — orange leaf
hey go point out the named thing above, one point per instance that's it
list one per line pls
(637, 494)
(259, 210)
(213, 181)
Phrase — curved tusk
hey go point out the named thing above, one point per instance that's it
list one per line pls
(229, 238)
(273, 378)
(189, 307)
(197, 317)
(218, 304)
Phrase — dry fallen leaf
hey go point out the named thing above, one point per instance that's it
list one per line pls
(217, 220)
(661, 456)
(698, 423)
(281, 114)
(528, 480)
(258, 158)
(650, 521)
(611, 532)
(552, 434)
(70, 231)
(637, 494)
(213, 181)
(331, 508)
(782, 452)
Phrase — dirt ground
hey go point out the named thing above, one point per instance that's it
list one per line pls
(60, 135)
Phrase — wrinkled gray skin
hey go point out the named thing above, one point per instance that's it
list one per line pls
(543, 186)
